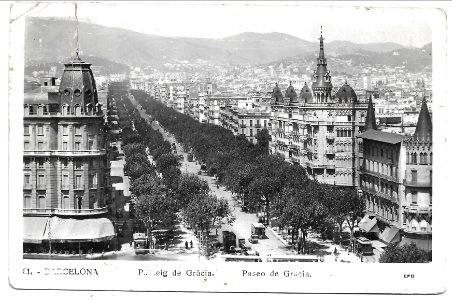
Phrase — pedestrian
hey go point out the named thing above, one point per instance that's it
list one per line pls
(335, 251)
(191, 244)
(186, 245)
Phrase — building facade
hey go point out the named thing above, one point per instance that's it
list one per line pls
(66, 166)
(395, 178)
(317, 129)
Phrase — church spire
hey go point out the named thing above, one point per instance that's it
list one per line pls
(424, 124)
(370, 118)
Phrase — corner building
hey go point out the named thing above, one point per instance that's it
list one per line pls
(396, 182)
(317, 129)
(66, 168)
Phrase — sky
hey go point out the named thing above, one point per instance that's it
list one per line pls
(405, 26)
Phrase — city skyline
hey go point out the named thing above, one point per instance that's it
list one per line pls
(403, 26)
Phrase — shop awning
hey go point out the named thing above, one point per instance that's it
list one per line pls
(88, 230)
(425, 244)
(390, 235)
(369, 226)
(34, 229)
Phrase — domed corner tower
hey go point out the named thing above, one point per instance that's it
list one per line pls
(322, 86)
(346, 95)
(306, 94)
(291, 94)
(78, 86)
(277, 95)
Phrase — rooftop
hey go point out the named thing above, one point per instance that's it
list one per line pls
(381, 136)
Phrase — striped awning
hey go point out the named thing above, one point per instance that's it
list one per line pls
(390, 235)
(34, 229)
(370, 225)
(87, 230)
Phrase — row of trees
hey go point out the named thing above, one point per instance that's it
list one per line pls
(162, 195)
(261, 182)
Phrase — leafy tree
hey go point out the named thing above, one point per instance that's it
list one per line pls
(171, 177)
(190, 186)
(145, 184)
(203, 211)
(408, 253)
(166, 162)
(301, 208)
(263, 138)
(155, 208)
(345, 205)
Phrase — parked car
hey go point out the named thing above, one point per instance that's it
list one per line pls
(254, 239)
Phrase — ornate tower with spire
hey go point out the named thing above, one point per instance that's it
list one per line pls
(322, 86)
(418, 181)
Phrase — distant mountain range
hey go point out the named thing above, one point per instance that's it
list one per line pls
(50, 40)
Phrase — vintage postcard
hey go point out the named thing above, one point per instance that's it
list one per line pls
(266, 147)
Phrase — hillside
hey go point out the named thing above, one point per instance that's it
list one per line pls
(50, 40)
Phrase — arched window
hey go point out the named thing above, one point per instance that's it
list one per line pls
(65, 203)
(41, 202)
(414, 158)
(78, 110)
(414, 225)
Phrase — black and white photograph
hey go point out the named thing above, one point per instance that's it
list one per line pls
(228, 146)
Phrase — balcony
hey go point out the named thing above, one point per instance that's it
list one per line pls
(65, 153)
(415, 209)
(330, 165)
(242, 125)
(65, 212)
(330, 151)
(315, 165)
(257, 125)
(393, 178)
(330, 136)
(425, 184)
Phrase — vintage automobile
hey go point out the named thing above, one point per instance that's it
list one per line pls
(254, 239)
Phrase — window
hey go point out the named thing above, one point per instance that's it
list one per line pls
(78, 130)
(78, 164)
(26, 130)
(64, 146)
(41, 181)
(64, 163)
(41, 163)
(78, 182)
(26, 145)
(251, 122)
(265, 123)
(251, 132)
(65, 181)
(40, 146)
(40, 130)
(92, 180)
(41, 202)
(414, 197)
(77, 146)
(91, 145)
(26, 163)
(27, 179)
(414, 158)
(65, 203)
(65, 130)
(27, 201)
